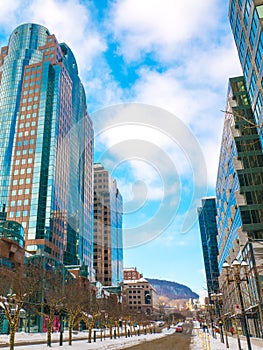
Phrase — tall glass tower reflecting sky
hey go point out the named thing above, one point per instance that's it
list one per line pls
(246, 20)
(46, 140)
(208, 230)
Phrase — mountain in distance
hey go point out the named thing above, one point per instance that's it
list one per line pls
(172, 290)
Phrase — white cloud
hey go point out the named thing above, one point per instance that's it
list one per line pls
(210, 65)
(70, 20)
(143, 26)
(8, 13)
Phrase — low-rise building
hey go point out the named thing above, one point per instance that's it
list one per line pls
(139, 296)
(11, 243)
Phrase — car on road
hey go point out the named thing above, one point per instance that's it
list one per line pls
(179, 327)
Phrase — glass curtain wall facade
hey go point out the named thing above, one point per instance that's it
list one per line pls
(46, 148)
(108, 245)
(246, 20)
(239, 199)
(208, 230)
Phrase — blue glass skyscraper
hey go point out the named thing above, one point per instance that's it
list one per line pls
(46, 151)
(239, 199)
(208, 230)
(246, 18)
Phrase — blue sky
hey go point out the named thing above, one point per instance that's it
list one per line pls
(156, 75)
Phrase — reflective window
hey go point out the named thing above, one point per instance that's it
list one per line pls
(253, 31)
(238, 29)
(246, 13)
(232, 13)
(259, 53)
(247, 65)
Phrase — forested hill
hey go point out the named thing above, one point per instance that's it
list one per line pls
(172, 290)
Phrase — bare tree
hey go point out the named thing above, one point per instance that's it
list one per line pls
(16, 288)
(76, 294)
(53, 297)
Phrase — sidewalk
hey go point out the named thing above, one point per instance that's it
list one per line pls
(204, 341)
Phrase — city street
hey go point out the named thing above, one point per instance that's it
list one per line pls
(166, 339)
(178, 341)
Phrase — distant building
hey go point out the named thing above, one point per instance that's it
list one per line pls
(139, 297)
(108, 246)
(208, 230)
(131, 273)
(46, 154)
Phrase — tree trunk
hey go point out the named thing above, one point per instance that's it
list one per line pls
(90, 333)
(125, 329)
(50, 328)
(49, 332)
(12, 331)
(70, 334)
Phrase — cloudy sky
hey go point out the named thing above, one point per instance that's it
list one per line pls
(156, 75)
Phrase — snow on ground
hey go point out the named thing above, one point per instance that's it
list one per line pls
(204, 341)
(115, 344)
(200, 341)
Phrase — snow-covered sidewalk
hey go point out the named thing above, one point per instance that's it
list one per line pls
(204, 341)
(119, 343)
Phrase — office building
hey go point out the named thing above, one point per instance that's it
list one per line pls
(239, 199)
(208, 230)
(108, 246)
(131, 273)
(46, 153)
(246, 20)
(139, 296)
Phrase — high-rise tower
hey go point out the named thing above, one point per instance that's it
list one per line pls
(246, 19)
(208, 230)
(239, 199)
(46, 151)
(108, 246)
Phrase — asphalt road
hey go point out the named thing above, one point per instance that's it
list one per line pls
(176, 341)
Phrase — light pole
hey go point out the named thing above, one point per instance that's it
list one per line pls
(218, 299)
(239, 272)
(209, 313)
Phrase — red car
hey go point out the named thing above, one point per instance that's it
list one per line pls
(179, 329)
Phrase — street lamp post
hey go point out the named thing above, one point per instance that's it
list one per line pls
(218, 299)
(210, 311)
(237, 269)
